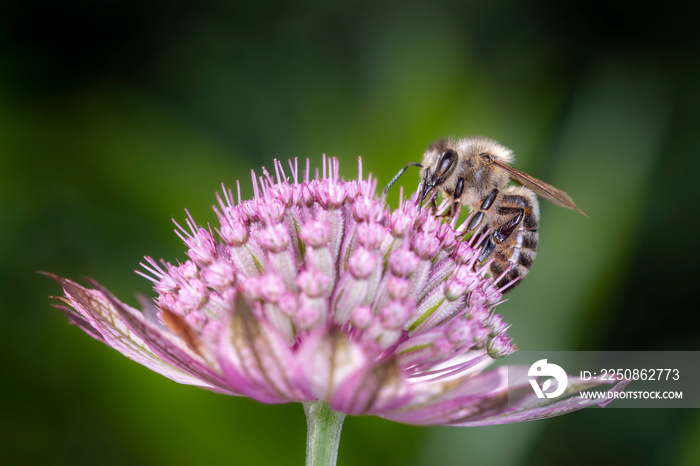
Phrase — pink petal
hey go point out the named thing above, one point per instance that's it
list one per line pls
(76, 319)
(258, 362)
(96, 315)
(341, 373)
(484, 400)
(165, 346)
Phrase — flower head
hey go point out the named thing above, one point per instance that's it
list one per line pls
(316, 290)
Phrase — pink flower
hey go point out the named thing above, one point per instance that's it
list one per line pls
(315, 291)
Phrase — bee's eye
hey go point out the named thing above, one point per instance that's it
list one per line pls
(446, 160)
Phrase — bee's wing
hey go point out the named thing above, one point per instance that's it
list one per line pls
(542, 189)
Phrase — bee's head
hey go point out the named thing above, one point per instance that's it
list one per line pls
(439, 163)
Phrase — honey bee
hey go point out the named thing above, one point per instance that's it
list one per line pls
(475, 172)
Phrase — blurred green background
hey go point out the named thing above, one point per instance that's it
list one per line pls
(115, 116)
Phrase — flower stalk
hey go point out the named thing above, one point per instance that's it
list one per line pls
(323, 433)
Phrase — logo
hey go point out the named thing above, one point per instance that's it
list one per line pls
(542, 368)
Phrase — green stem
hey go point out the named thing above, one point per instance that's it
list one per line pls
(323, 433)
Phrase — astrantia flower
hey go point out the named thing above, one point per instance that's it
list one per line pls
(314, 291)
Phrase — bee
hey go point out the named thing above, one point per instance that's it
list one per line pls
(475, 172)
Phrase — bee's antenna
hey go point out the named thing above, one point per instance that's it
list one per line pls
(398, 175)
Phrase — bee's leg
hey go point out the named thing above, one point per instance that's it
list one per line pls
(453, 210)
(503, 232)
(487, 249)
(433, 205)
(456, 199)
(485, 206)
(450, 212)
